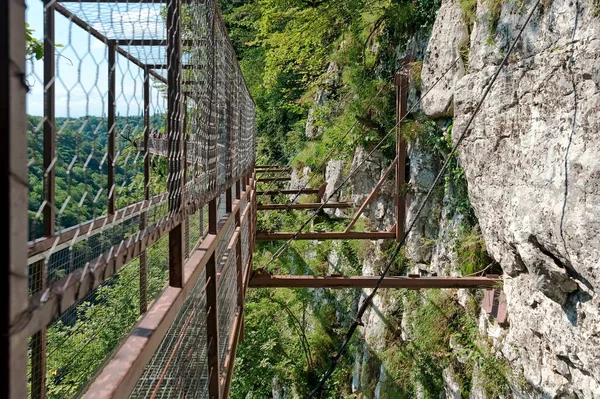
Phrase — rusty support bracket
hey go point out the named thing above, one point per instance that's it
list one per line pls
(112, 126)
(267, 281)
(401, 81)
(315, 205)
(323, 236)
(273, 179)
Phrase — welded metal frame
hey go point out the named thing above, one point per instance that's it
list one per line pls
(120, 375)
(48, 303)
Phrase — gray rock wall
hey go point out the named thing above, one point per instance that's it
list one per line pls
(531, 159)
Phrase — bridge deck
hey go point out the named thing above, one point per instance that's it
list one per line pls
(162, 206)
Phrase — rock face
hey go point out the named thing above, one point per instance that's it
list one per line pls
(299, 179)
(334, 177)
(531, 161)
(314, 127)
(423, 169)
(448, 36)
(380, 210)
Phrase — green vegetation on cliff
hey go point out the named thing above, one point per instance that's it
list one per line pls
(337, 60)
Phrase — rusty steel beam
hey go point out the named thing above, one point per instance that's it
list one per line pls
(401, 81)
(313, 205)
(336, 235)
(267, 281)
(289, 192)
(280, 170)
(212, 327)
(36, 249)
(229, 362)
(175, 182)
(371, 196)
(183, 66)
(228, 199)
(155, 42)
(273, 179)
(260, 167)
(120, 375)
(39, 273)
(89, 29)
(112, 126)
(144, 216)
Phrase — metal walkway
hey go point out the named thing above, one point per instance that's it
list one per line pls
(153, 192)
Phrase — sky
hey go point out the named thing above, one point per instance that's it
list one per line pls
(82, 61)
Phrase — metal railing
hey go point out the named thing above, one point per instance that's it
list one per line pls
(140, 156)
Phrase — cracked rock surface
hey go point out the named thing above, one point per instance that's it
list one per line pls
(531, 159)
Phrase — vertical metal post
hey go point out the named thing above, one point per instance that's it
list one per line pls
(212, 316)
(112, 126)
(146, 133)
(13, 199)
(401, 109)
(212, 329)
(184, 136)
(238, 248)
(49, 124)
(144, 215)
(39, 270)
(228, 200)
(212, 217)
(213, 119)
(239, 269)
(243, 183)
(174, 140)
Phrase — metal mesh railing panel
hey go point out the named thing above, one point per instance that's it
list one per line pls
(227, 302)
(129, 135)
(179, 367)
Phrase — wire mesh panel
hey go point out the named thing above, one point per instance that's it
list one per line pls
(179, 367)
(227, 302)
(138, 117)
(245, 237)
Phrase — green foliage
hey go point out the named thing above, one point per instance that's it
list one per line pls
(494, 8)
(469, 9)
(472, 253)
(493, 373)
(34, 47)
(284, 47)
(465, 54)
(77, 348)
(286, 340)
(455, 182)
(441, 333)
(80, 179)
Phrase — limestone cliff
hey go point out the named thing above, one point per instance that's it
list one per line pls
(531, 162)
